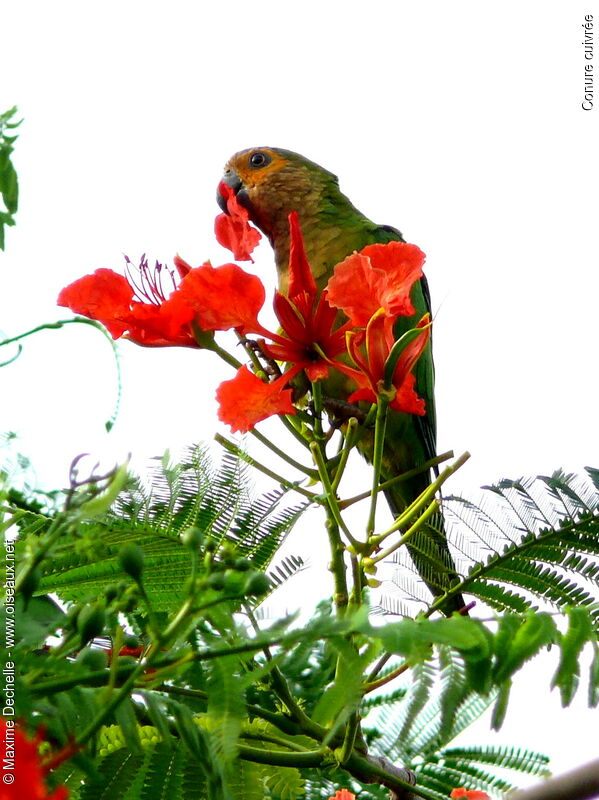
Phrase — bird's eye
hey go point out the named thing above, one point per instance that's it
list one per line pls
(259, 159)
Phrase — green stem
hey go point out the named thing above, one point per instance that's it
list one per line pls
(331, 498)
(349, 442)
(258, 367)
(49, 326)
(364, 769)
(399, 478)
(421, 501)
(349, 740)
(54, 532)
(337, 566)
(277, 679)
(317, 401)
(356, 595)
(268, 737)
(222, 353)
(377, 458)
(294, 425)
(431, 509)
(233, 448)
(280, 721)
(278, 758)
(94, 324)
(378, 667)
(371, 685)
(311, 473)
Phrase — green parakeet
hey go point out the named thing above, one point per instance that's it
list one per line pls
(270, 183)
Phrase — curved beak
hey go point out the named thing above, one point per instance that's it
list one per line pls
(232, 179)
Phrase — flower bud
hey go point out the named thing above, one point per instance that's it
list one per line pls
(216, 581)
(193, 538)
(257, 584)
(90, 623)
(131, 559)
(234, 581)
(92, 658)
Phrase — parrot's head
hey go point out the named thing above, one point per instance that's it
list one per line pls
(271, 183)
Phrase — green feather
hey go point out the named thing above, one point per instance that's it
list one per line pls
(332, 229)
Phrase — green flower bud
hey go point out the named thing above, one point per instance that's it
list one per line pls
(216, 581)
(242, 564)
(257, 584)
(369, 566)
(193, 538)
(131, 559)
(90, 623)
(111, 592)
(234, 581)
(92, 658)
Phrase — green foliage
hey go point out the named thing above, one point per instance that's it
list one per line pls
(190, 494)
(9, 184)
(528, 541)
(424, 745)
(207, 703)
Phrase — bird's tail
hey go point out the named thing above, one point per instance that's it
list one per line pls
(428, 547)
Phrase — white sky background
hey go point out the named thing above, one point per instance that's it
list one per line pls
(460, 123)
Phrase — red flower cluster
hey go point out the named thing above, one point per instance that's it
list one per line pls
(343, 794)
(372, 288)
(233, 230)
(30, 770)
(469, 794)
(138, 308)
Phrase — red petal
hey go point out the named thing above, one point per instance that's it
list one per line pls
(354, 340)
(160, 326)
(343, 794)
(246, 400)
(379, 276)
(104, 296)
(412, 352)
(289, 319)
(221, 298)
(362, 395)
(301, 280)
(181, 266)
(402, 264)
(406, 399)
(233, 230)
(354, 288)
(377, 349)
(317, 371)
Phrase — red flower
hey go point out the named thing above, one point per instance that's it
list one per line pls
(307, 342)
(378, 340)
(470, 794)
(379, 276)
(219, 298)
(308, 338)
(116, 302)
(343, 794)
(29, 770)
(246, 400)
(233, 230)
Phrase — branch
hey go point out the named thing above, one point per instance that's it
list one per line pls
(578, 784)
